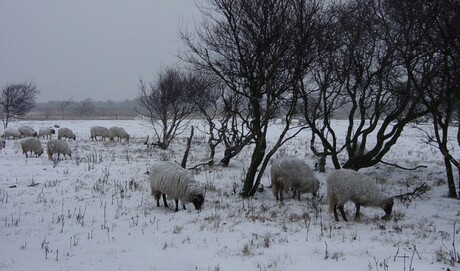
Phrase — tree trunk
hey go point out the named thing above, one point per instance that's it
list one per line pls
(187, 150)
(229, 153)
(458, 142)
(450, 178)
(257, 158)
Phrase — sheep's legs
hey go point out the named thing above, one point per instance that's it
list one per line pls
(335, 213)
(357, 217)
(164, 200)
(177, 205)
(296, 193)
(342, 212)
(281, 188)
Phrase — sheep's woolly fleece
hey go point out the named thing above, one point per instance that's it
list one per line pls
(31, 144)
(57, 146)
(345, 184)
(174, 181)
(293, 172)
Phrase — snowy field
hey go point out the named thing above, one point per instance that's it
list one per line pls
(94, 212)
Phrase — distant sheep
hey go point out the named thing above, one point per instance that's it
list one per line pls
(344, 185)
(46, 132)
(58, 146)
(66, 133)
(11, 132)
(171, 180)
(96, 131)
(27, 131)
(119, 132)
(290, 172)
(31, 144)
(2, 144)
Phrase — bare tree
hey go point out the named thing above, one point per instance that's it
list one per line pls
(252, 47)
(168, 104)
(85, 107)
(16, 100)
(63, 106)
(362, 72)
(443, 96)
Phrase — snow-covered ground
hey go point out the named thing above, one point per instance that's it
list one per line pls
(94, 212)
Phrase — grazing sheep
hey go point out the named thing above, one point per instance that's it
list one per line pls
(2, 144)
(31, 144)
(345, 184)
(11, 132)
(169, 179)
(27, 131)
(46, 132)
(58, 146)
(66, 133)
(99, 131)
(119, 132)
(290, 172)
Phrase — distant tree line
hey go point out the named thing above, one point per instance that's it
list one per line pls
(84, 109)
(384, 63)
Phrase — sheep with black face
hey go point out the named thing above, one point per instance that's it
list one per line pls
(345, 185)
(170, 180)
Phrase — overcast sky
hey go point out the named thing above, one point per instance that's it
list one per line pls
(89, 48)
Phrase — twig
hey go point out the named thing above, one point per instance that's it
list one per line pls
(401, 167)
(417, 193)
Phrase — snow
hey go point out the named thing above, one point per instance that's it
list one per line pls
(94, 211)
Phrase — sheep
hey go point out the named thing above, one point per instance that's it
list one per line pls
(11, 132)
(346, 184)
(2, 144)
(290, 172)
(66, 133)
(169, 179)
(31, 144)
(58, 146)
(119, 132)
(46, 132)
(99, 131)
(27, 131)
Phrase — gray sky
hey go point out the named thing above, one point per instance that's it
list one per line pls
(89, 48)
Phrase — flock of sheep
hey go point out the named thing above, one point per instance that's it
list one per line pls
(169, 180)
(31, 143)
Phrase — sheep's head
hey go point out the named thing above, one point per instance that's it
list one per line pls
(315, 187)
(387, 206)
(197, 201)
(53, 131)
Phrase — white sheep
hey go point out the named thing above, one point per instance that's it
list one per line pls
(344, 185)
(66, 133)
(31, 144)
(58, 146)
(27, 131)
(292, 173)
(119, 132)
(96, 131)
(2, 144)
(171, 180)
(11, 132)
(46, 132)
